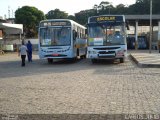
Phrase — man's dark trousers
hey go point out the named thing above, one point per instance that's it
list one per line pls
(23, 57)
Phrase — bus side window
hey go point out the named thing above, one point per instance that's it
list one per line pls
(74, 35)
(78, 35)
(86, 31)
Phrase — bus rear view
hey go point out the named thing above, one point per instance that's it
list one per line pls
(107, 38)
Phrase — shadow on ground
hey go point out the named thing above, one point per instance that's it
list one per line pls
(14, 69)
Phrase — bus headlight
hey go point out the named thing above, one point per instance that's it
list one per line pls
(120, 52)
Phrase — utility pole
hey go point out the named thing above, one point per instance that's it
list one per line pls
(109, 9)
(110, 3)
(150, 40)
(9, 12)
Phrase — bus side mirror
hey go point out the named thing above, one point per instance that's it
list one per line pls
(74, 35)
(127, 25)
(86, 31)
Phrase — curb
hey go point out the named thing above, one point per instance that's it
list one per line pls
(143, 65)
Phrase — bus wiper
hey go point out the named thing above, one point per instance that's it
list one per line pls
(61, 28)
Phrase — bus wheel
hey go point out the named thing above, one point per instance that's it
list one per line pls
(121, 60)
(50, 60)
(84, 56)
(94, 60)
(73, 59)
(77, 54)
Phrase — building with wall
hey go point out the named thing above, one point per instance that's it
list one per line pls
(140, 28)
(8, 33)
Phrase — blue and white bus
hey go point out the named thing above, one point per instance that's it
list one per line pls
(61, 39)
(107, 37)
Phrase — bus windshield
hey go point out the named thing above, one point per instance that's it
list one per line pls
(55, 36)
(106, 35)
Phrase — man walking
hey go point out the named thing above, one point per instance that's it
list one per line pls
(29, 47)
(23, 52)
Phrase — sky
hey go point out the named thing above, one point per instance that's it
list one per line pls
(69, 6)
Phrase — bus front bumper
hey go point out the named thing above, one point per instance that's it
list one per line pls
(106, 56)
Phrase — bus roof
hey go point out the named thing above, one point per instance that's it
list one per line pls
(63, 20)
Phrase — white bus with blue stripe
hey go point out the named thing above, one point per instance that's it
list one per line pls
(107, 38)
(61, 39)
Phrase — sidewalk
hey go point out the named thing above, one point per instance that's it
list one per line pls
(145, 59)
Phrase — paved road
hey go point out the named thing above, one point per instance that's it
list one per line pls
(78, 87)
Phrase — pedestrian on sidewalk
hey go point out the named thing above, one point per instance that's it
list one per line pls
(23, 52)
(29, 53)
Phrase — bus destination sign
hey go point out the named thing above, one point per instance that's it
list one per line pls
(106, 19)
(109, 18)
(55, 23)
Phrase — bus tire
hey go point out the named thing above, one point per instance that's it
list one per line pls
(50, 60)
(94, 60)
(1, 52)
(85, 55)
(77, 53)
(73, 59)
(121, 60)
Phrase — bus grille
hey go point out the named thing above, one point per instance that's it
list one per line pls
(106, 52)
(59, 55)
(108, 56)
(106, 48)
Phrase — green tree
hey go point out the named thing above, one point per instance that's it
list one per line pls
(71, 17)
(82, 16)
(56, 14)
(140, 7)
(156, 5)
(107, 10)
(120, 9)
(143, 7)
(30, 18)
(104, 5)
